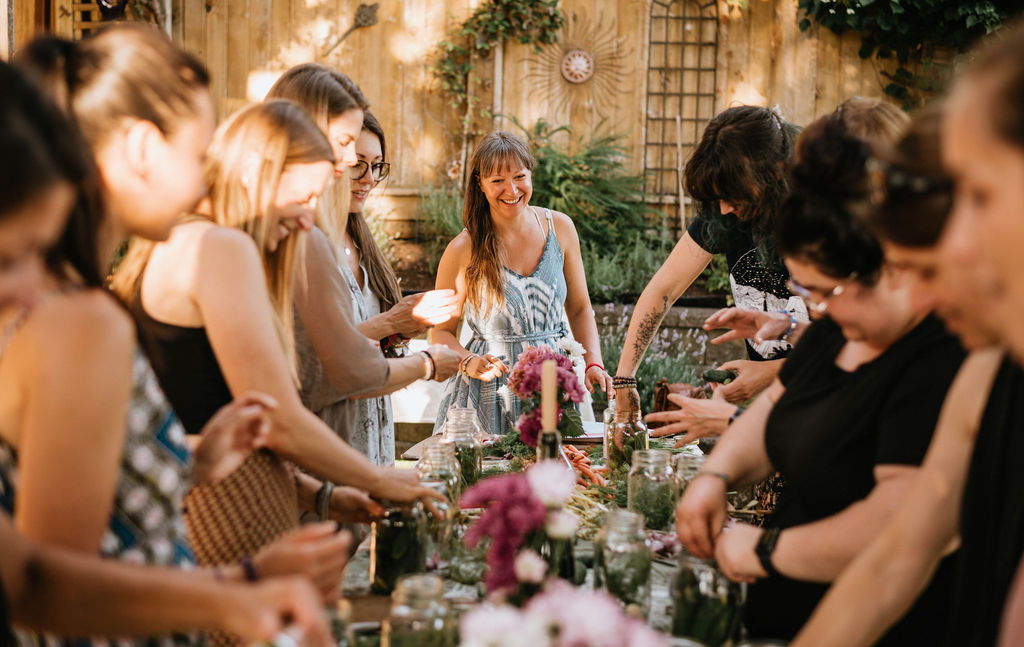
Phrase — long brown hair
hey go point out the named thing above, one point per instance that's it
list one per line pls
(123, 71)
(281, 133)
(379, 274)
(497, 150)
(325, 94)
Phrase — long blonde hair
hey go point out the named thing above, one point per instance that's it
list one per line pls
(325, 94)
(279, 133)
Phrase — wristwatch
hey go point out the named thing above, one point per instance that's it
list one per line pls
(765, 547)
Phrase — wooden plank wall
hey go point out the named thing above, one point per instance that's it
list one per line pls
(763, 58)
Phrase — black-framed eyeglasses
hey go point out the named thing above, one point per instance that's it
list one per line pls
(810, 296)
(378, 170)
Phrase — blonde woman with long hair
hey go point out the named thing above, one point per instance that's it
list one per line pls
(516, 270)
(333, 386)
(214, 311)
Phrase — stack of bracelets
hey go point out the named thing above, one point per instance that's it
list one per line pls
(464, 364)
(624, 382)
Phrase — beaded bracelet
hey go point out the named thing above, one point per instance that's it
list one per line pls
(792, 326)
(623, 381)
(322, 501)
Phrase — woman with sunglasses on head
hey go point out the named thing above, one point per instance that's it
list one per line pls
(848, 420)
(345, 284)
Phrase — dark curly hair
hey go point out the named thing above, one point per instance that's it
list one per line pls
(817, 222)
(742, 158)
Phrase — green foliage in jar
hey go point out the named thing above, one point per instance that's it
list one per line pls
(656, 502)
(397, 548)
(705, 606)
(627, 575)
(470, 464)
(621, 440)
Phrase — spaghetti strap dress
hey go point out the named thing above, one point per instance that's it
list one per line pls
(532, 315)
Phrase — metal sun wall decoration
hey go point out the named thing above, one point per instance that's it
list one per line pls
(583, 68)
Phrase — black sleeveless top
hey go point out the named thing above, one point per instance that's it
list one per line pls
(6, 637)
(185, 365)
(992, 516)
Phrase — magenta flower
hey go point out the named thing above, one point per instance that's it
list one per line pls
(513, 512)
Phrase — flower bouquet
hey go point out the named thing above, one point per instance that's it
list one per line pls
(530, 530)
(524, 381)
(560, 616)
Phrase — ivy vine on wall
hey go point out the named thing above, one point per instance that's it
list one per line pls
(528, 21)
(910, 30)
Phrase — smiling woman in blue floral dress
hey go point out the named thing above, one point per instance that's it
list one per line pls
(518, 276)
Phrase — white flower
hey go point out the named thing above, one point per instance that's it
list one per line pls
(570, 347)
(552, 483)
(561, 525)
(500, 626)
(530, 567)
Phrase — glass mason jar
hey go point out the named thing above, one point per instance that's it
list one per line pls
(398, 545)
(438, 463)
(651, 488)
(469, 452)
(440, 532)
(684, 467)
(625, 434)
(467, 415)
(341, 624)
(622, 559)
(419, 616)
(706, 605)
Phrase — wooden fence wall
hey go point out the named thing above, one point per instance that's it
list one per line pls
(761, 57)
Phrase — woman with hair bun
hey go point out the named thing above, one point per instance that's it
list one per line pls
(848, 419)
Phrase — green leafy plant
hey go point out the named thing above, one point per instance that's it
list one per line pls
(585, 179)
(715, 277)
(375, 219)
(910, 30)
(441, 209)
(398, 547)
(528, 21)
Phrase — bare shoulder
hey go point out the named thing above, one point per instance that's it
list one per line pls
(460, 248)
(225, 248)
(80, 325)
(565, 229)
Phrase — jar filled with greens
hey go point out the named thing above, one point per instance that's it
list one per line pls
(398, 545)
(651, 488)
(622, 560)
(438, 463)
(625, 434)
(440, 531)
(706, 605)
(419, 616)
(469, 452)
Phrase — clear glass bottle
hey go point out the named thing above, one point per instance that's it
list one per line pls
(438, 463)
(706, 605)
(398, 545)
(419, 616)
(651, 488)
(685, 466)
(469, 452)
(625, 434)
(440, 532)
(467, 415)
(622, 559)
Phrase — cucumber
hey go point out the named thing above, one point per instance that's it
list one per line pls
(719, 376)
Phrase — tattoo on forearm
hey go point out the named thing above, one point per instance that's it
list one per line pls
(647, 329)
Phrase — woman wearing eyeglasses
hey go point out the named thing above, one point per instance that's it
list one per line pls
(343, 278)
(848, 420)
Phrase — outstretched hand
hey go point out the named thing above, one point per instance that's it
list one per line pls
(231, 435)
(757, 325)
(417, 312)
(695, 418)
(753, 378)
(316, 551)
(597, 377)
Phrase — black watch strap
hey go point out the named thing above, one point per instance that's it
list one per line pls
(764, 549)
